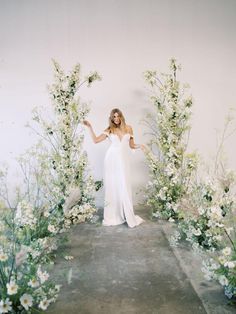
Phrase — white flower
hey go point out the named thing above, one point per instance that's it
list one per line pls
(3, 257)
(168, 206)
(215, 213)
(25, 214)
(222, 260)
(52, 228)
(217, 237)
(5, 306)
(12, 288)
(223, 280)
(215, 266)
(44, 304)
(206, 269)
(26, 301)
(68, 257)
(197, 232)
(162, 194)
(57, 288)
(226, 251)
(46, 214)
(35, 253)
(33, 283)
(169, 170)
(171, 219)
(229, 264)
(175, 207)
(208, 233)
(201, 210)
(156, 214)
(43, 276)
(210, 223)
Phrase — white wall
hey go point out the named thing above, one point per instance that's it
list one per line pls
(120, 39)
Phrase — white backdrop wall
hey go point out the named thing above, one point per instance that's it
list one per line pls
(120, 39)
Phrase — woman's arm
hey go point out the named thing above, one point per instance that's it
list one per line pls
(131, 141)
(96, 139)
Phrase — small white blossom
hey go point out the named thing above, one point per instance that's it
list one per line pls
(25, 214)
(197, 232)
(229, 264)
(226, 251)
(217, 237)
(223, 280)
(57, 288)
(34, 283)
(12, 288)
(3, 257)
(44, 304)
(46, 214)
(208, 233)
(26, 301)
(222, 260)
(215, 266)
(215, 213)
(5, 306)
(201, 210)
(52, 229)
(68, 257)
(43, 276)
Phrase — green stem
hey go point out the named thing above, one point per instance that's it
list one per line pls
(231, 241)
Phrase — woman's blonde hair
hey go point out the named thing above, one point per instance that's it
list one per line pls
(112, 125)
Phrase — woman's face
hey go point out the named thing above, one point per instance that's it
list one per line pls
(116, 118)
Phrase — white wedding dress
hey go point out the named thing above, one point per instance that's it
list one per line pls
(118, 205)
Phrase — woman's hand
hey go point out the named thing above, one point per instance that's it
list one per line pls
(87, 123)
(144, 148)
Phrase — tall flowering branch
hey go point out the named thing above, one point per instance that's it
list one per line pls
(170, 166)
(63, 137)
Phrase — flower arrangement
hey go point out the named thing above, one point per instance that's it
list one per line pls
(222, 266)
(206, 207)
(210, 225)
(56, 190)
(67, 162)
(170, 166)
(24, 285)
(206, 224)
(221, 263)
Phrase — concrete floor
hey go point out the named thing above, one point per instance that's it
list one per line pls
(118, 270)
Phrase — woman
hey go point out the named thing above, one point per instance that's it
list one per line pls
(118, 207)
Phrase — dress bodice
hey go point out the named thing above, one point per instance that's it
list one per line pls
(116, 140)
